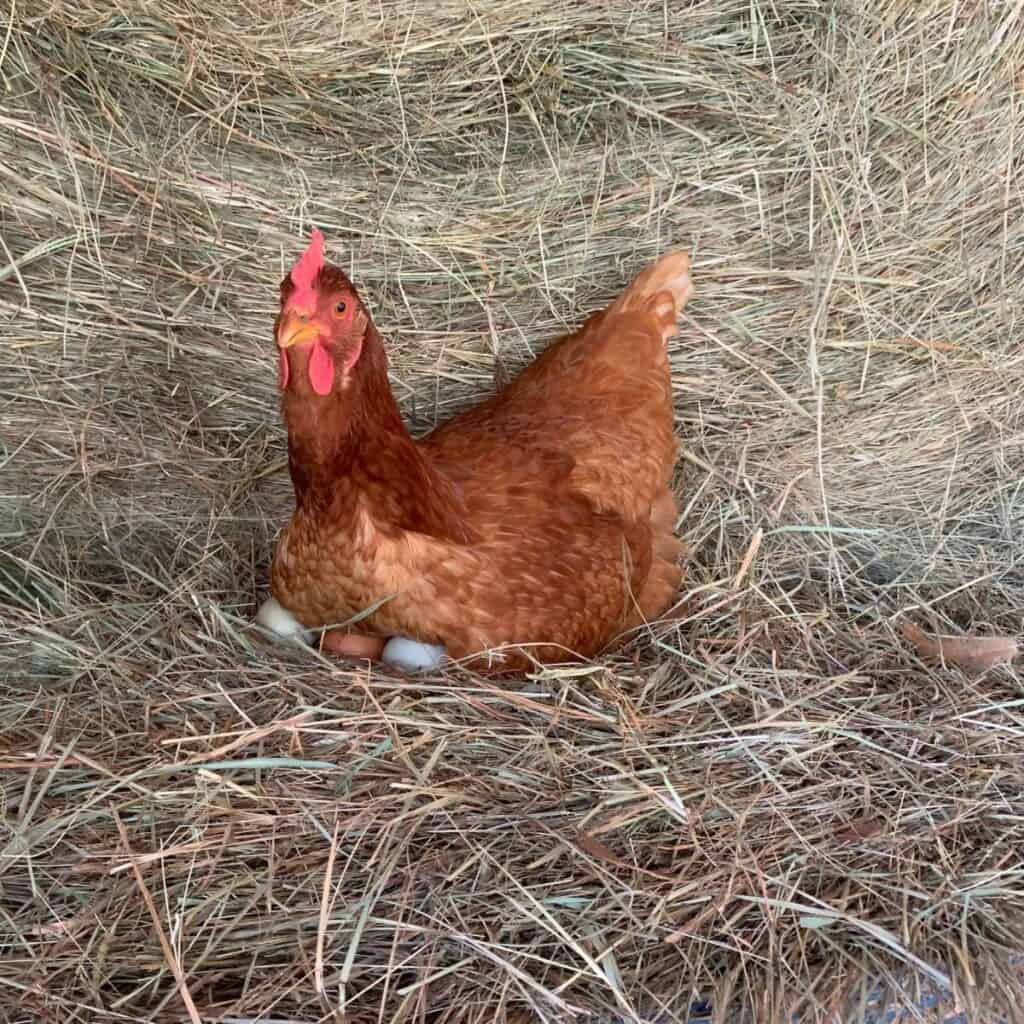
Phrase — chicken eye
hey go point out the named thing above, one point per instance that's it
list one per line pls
(340, 308)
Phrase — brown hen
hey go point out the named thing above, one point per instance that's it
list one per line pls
(538, 526)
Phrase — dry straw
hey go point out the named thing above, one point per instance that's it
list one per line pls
(777, 806)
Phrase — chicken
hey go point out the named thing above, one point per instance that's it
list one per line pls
(538, 526)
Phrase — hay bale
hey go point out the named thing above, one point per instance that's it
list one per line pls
(776, 806)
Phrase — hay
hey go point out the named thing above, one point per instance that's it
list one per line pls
(776, 807)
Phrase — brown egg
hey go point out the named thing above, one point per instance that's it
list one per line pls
(352, 645)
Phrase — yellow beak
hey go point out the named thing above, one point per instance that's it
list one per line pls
(296, 329)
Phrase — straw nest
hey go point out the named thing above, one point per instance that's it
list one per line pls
(793, 802)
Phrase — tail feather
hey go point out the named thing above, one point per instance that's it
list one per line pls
(665, 283)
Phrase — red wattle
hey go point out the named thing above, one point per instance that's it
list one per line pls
(282, 369)
(321, 370)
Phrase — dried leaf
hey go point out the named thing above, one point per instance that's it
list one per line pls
(864, 828)
(973, 653)
(596, 848)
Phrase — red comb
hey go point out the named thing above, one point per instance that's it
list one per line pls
(305, 272)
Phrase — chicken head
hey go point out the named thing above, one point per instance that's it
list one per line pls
(321, 325)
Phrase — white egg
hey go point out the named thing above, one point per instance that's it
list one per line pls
(411, 655)
(278, 620)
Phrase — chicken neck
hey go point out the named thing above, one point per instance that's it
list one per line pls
(351, 449)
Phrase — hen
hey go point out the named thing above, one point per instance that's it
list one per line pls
(537, 526)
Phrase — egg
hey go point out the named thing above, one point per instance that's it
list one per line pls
(352, 645)
(280, 622)
(413, 656)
